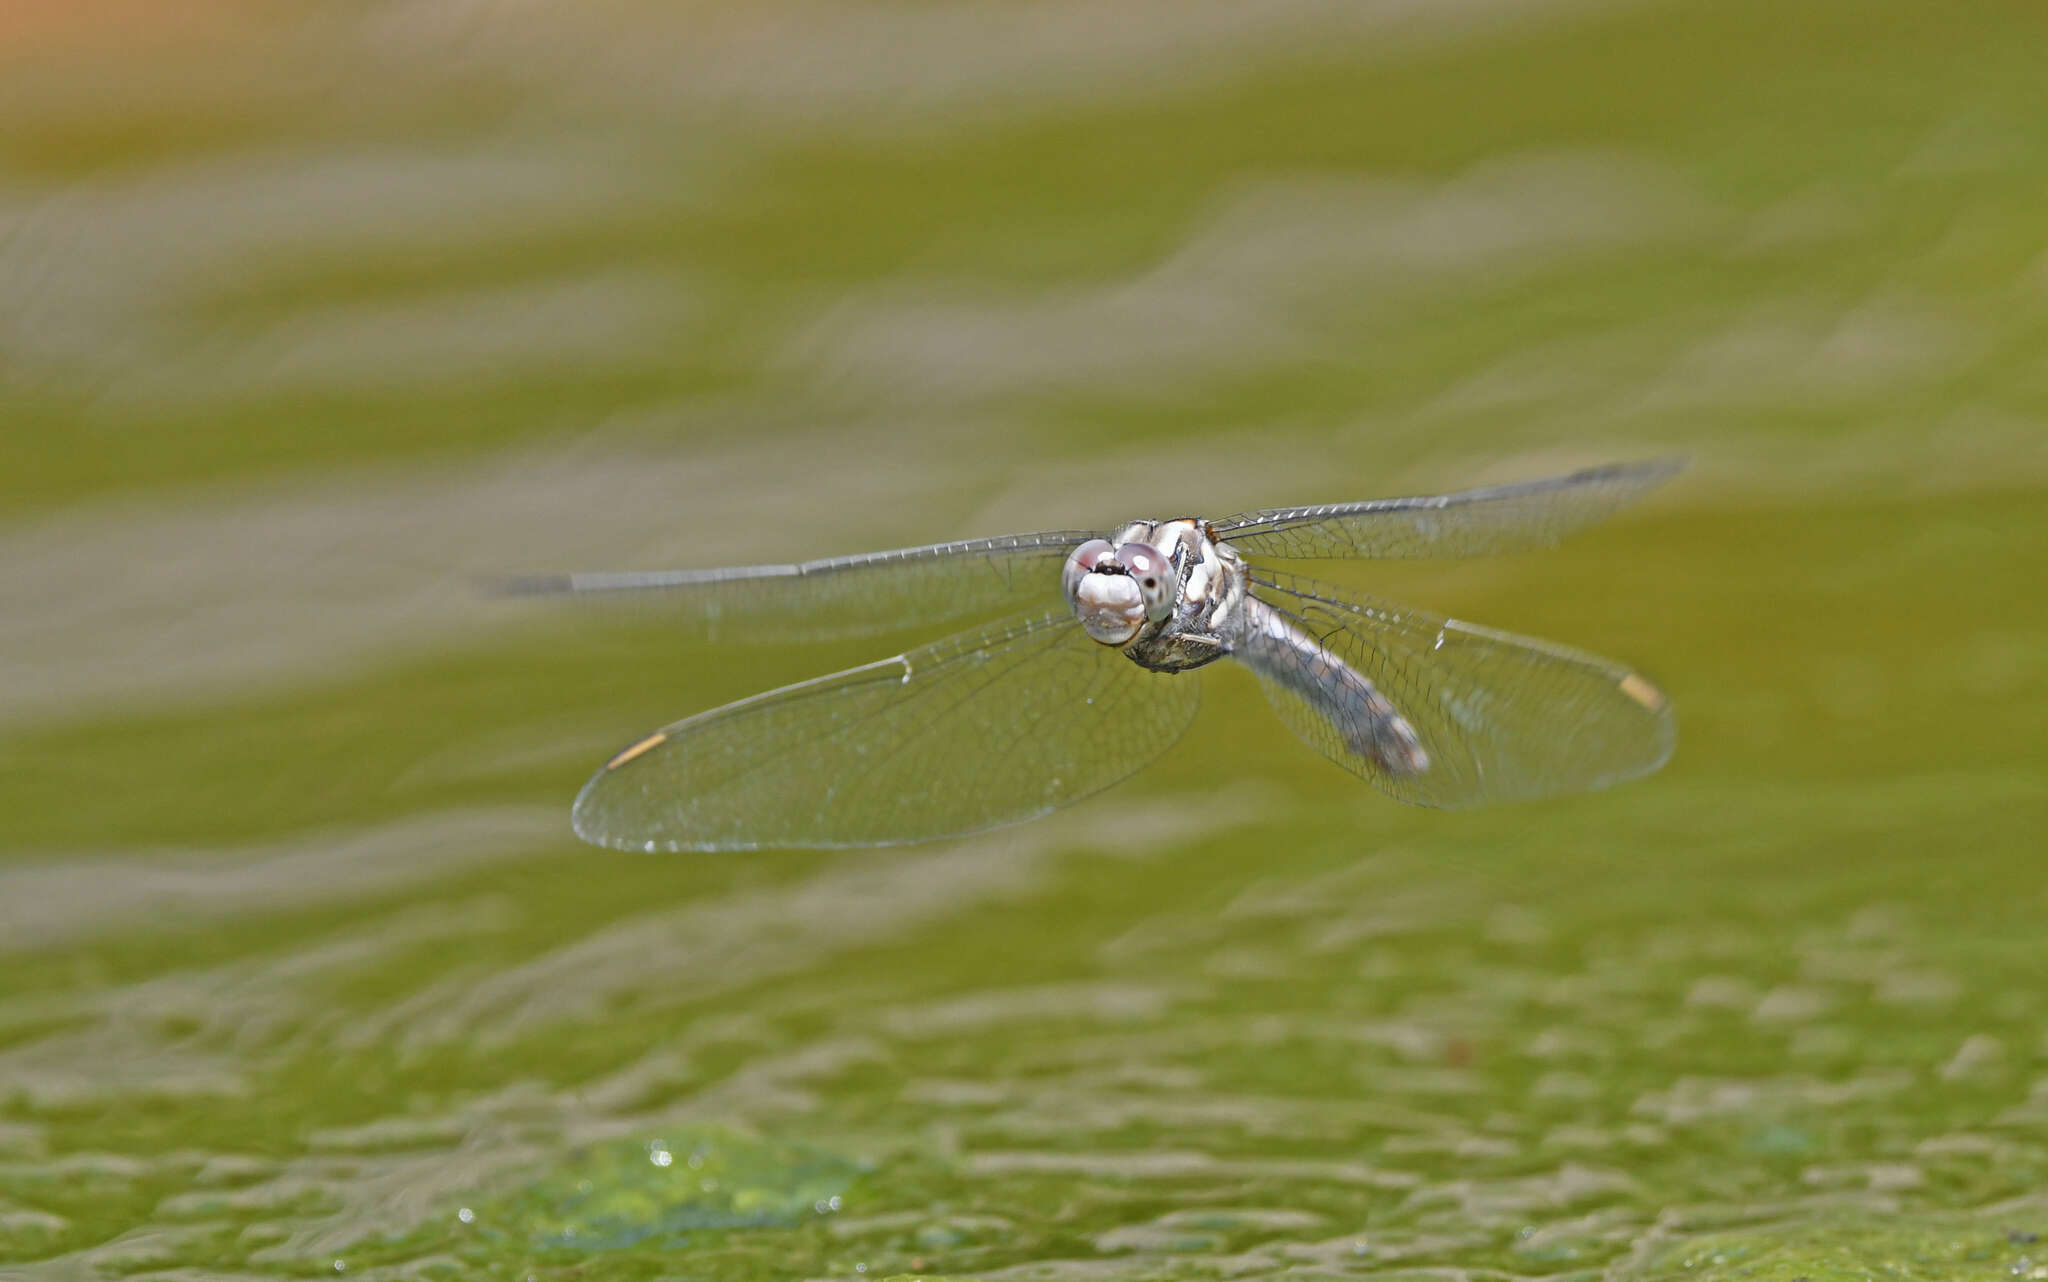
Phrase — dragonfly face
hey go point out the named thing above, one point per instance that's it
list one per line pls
(1016, 718)
(1166, 593)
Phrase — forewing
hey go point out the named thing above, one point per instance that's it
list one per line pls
(1500, 717)
(844, 596)
(1483, 522)
(989, 727)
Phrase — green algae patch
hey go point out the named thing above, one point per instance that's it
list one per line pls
(1859, 1248)
(662, 1192)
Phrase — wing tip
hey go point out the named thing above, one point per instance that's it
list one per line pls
(1650, 471)
(1642, 474)
(518, 585)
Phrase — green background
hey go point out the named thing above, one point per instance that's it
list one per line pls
(314, 318)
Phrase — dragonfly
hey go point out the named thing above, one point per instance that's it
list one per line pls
(1089, 674)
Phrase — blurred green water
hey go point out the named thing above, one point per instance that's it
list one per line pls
(307, 322)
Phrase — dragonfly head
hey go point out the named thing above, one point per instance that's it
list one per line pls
(1116, 591)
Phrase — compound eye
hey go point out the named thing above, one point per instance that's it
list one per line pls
(1154, 576)
(1081, 562)
(1105, 599)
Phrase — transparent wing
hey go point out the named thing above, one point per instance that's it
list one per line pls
(989, 727)
(1499, 518)
(843, 596)
(1489, 716)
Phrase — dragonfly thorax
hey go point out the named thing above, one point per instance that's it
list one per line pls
(1167, 593)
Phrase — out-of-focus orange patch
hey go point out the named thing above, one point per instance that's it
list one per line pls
(114, 26)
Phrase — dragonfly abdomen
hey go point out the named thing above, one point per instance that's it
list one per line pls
(1370, 725)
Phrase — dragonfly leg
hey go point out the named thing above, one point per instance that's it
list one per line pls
(1177, 651)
